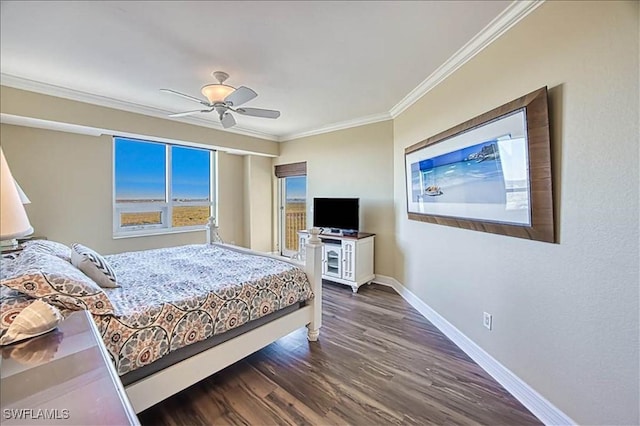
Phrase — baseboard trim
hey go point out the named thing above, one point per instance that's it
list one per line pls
(544, 410)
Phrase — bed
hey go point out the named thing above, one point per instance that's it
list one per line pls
(182, 314)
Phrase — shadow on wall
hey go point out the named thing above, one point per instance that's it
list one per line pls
(399, 259)
(556, 112)
(377, 216)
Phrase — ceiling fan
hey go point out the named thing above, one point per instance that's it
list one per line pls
(222, 99)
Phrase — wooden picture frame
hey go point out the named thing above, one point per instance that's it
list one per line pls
(491, 173)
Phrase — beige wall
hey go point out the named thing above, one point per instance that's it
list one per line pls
(355, 162)
(565, 315)
(231, 206)
(258, 202)
(68, 178)
(33, 105)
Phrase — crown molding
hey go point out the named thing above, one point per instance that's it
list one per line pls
(515, 12)
(77, 95)
(369, 119)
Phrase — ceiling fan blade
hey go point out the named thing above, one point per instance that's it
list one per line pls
(240, 95)
(227, 120)
(259, 112)
(182, 114)
(182, 95)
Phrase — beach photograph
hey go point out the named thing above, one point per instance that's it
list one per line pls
(469, 175)
(481, 174)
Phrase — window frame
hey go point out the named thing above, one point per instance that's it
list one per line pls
(165, 208)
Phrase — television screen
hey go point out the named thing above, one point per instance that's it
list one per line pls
(337, 213)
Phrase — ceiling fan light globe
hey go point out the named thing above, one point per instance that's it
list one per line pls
(217, 92)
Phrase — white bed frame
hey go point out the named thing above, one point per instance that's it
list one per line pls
(152, 389)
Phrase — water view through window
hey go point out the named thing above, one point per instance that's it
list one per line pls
(143, 195)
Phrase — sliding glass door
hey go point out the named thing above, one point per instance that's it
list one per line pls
(293, 212)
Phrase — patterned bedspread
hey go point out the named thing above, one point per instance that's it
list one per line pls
(172, 297)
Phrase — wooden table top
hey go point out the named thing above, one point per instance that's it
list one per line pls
(358, 236)
(62, 377)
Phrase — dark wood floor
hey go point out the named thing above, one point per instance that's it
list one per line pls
(378, 362)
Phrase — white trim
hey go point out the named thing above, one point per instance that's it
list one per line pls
(77, 95)
(389, 282)
(180, 142)
(544, 410)
(509, 17)
(281, 217)
(213, 188)
(167, 220)
(513, 14)
(370, 119)
(16, 120)
(157, 231)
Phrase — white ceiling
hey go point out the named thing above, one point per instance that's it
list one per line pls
(319, 62)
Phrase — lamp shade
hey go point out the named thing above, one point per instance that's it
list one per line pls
(23, 197)
(14, 222)
(217, 92)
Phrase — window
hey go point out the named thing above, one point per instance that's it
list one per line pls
(161, 188)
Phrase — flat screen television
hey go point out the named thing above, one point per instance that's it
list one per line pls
(336, 213)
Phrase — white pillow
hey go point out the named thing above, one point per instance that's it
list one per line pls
(93, 265)
(52, 247)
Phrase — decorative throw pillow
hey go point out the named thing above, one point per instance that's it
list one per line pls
(57, 282)
(93, 265)
(50, 247)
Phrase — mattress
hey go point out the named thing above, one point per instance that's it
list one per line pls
(174, 297)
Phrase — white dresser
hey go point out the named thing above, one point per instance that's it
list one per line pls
(345, 259)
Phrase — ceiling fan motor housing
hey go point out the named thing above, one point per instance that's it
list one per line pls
(220, 109)
(221, 76)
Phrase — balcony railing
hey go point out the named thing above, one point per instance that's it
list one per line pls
(294, 222)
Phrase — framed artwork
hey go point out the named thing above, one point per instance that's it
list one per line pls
(492, 173)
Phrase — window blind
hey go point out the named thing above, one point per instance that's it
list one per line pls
(292, 169)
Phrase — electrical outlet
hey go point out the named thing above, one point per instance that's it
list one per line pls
(487, 320)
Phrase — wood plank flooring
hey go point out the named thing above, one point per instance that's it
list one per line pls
(378, 362)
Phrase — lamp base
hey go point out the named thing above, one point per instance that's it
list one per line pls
(7, 246)
(12, 244)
